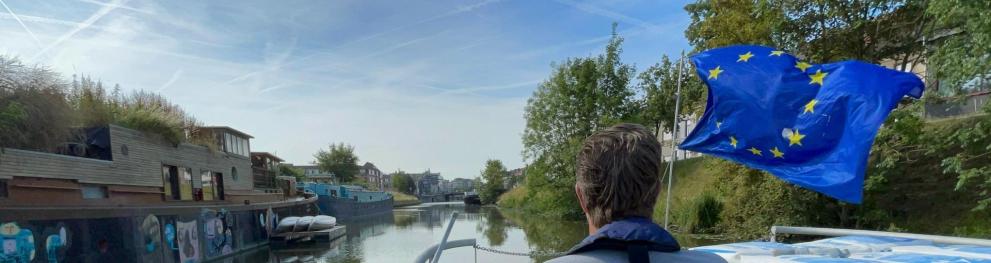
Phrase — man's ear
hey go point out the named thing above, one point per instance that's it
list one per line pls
(581, 199)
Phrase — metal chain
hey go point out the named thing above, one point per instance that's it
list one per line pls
(522, 254)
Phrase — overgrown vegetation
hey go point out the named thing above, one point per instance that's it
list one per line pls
(339, 159)
(919, 173)
(493, 186)
(403, 182)
(41, 111)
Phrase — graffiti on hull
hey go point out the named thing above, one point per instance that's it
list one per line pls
(218, 231)
(188, 242)
(17, 242)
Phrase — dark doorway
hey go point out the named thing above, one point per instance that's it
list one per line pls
(170, 176)
(218, 179)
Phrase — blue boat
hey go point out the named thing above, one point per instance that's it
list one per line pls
(348, 201)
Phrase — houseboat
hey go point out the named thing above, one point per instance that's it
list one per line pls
(346, 201)
(128, 196)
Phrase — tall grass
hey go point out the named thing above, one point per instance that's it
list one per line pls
(514, 198)
(40, 111)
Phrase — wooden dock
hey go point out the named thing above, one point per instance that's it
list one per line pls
(326, 235)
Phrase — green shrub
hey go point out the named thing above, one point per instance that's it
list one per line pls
(705, 214)
(514, 198)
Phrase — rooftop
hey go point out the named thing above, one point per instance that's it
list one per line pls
(229, 129)
(267, 154)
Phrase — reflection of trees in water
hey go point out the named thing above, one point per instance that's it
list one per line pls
(472, 209)
(368, 226)
(353, 252)
(493, 226)
(548, 234)
(404, 220)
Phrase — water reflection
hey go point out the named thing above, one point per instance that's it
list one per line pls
(493, 227)
(403, 234)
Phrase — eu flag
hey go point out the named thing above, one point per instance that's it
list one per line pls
(810, 125)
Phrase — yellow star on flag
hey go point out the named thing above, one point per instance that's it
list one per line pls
(745, 57)
(719, 124)
(755, 151)
(802, 66)
(777, 153)
(818, 77)
(794, 138)
(732, 141)
(810, 107)
(777, 53)
(714, 73)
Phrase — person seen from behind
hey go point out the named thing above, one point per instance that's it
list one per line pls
(617, 186)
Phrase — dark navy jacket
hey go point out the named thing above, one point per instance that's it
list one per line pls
(635, 239)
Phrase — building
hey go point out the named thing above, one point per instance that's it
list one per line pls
(684, 128)
(445, 186)
(462, 185)
(313, 173)
(265, 168)
(427, 183)
(372, 175)
(118, 166)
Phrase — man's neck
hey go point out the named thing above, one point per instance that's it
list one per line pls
(591, 227)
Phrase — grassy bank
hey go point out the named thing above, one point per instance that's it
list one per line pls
(397, 196)
(402, 199)
(693, 197)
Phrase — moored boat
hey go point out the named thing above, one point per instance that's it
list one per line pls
(471, 198)
(345, 201)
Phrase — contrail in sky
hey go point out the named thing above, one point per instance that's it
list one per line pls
(85, 24)
(36, 41)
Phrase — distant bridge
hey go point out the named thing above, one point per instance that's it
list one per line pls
(442, 197)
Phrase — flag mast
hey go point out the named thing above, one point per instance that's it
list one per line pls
(674, 140)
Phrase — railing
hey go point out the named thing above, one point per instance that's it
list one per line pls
(428, 254)
(433, 253)
(264, 178)
(833, 232)
(969, 105)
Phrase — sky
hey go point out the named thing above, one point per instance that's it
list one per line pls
(412, 85)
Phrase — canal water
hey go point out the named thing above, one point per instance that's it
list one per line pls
(403, 234)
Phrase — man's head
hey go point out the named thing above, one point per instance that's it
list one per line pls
(617, 174)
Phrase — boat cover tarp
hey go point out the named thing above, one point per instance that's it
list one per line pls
(850, 249)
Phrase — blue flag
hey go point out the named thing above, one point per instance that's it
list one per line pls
(810, 125)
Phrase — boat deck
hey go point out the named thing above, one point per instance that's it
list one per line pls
(852, 248)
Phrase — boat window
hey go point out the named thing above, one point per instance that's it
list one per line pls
(170, 180)
(206, 177)
(94, 191)
(186, 184)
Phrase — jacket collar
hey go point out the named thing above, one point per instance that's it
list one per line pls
(639, 230)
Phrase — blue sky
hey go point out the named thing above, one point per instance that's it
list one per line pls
(413, 85)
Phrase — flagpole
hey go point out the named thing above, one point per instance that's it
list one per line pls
(674, 140)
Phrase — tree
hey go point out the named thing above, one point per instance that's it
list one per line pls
(289, 170)
(402, 182)
(339, 159)
(581, 96)
(494, 176)
(721, 23)
(963, 43)
(658, 84)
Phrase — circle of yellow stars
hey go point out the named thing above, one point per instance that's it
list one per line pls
(794, 137)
